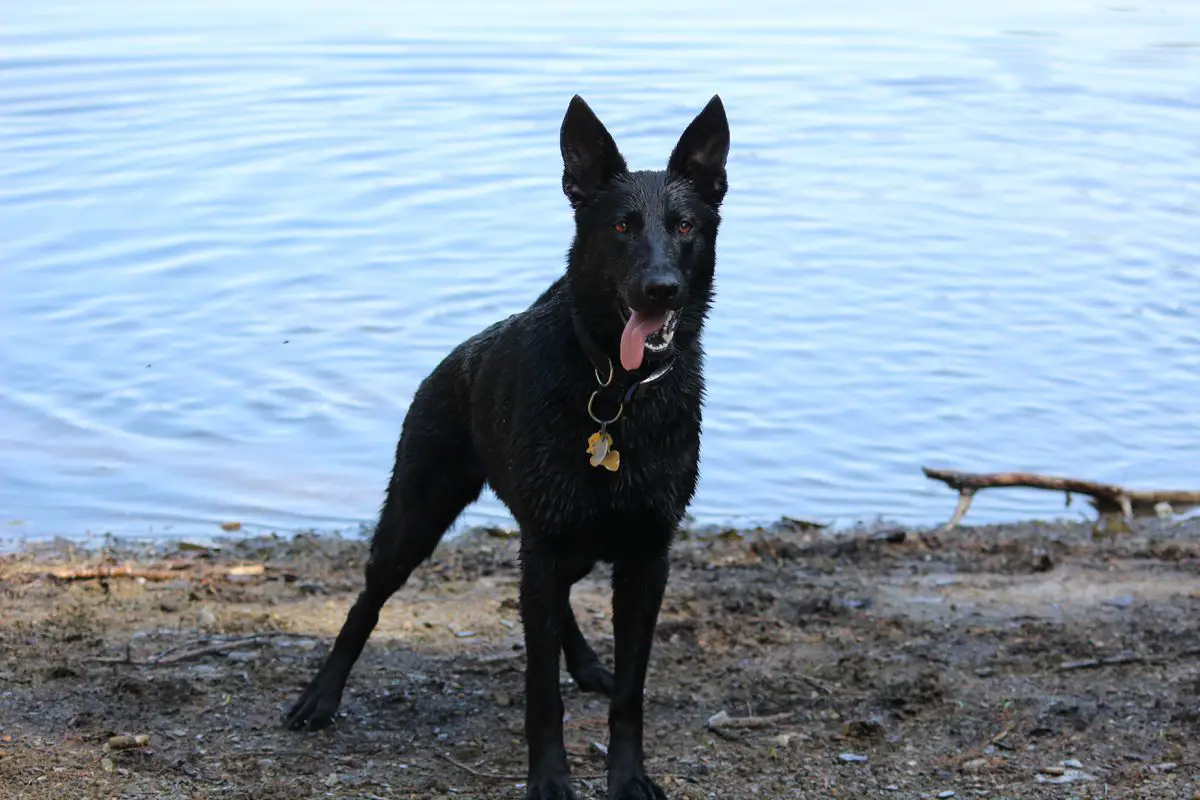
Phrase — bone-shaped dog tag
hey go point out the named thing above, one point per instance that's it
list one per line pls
(601, 451)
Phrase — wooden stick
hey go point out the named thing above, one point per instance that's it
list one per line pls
(194, 649)
(173, 572)
(1093, 663)
(1107, 498)
(495, 776)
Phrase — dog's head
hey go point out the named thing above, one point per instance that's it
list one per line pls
(644, 248)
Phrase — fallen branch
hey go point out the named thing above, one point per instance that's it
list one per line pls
(477, 773)
(1093, 663)
(495, 776)
(170, 573)
(1107, 498)
(193, 649)
(1127, 658)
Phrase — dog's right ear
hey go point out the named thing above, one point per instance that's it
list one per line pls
(590, 156)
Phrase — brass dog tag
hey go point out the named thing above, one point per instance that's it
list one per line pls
(600, 449)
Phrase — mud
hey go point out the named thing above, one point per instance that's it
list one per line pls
(1028, 661)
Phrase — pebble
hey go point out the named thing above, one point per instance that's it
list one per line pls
(1064, 775)
(852, 758)
(976, 765)
(946, 794)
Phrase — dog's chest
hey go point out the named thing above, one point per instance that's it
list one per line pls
(649, 489)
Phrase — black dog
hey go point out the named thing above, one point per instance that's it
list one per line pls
(583, 415)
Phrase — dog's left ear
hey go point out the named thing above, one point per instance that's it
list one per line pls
(702, 150)
(590, 156)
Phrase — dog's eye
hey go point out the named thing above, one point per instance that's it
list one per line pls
(621, 226)
(684, 226)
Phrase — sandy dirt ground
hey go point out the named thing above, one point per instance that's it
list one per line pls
(1025, 661)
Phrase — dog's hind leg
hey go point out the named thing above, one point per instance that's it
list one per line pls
(436, 475)
(582, 662)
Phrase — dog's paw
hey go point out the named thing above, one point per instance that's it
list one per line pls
(639, 788)
(595, 677)
(551, 789)
(316, 707)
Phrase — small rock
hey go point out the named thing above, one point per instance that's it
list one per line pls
(107, 765)
(1072, 763)
(1166, 766)
(852, 758)
(1064, 775)
(784, 739)
(946, 794)
(718, 720)
(598, 748)
(863, 729)
(502, 699)
(976, 765)
(242, 655)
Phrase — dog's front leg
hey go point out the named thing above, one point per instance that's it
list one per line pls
(637, 595)
(544, 594)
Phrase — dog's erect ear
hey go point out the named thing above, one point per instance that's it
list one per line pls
(702, 150)
(590, 156)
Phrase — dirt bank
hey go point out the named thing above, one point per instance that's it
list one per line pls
(899, 664)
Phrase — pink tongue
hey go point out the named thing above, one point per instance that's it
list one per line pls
(633, 338)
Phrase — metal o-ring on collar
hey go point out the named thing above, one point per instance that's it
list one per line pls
(620, 410)
(604, 384)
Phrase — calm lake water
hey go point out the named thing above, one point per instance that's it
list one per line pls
(233, 241)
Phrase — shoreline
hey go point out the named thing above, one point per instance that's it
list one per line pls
(990, 661)
(229, 534)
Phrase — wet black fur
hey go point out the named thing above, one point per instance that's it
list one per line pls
(508, 408)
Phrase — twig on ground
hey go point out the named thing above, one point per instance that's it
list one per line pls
(494, 776)
(1126, 658)
(181, 652)
(1111, 661)
(478, 773)
(1107, 498)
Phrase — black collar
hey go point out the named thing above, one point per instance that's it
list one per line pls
(618, 387)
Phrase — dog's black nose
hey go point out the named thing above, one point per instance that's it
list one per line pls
(661, 289)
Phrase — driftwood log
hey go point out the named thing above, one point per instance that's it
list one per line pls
(1107, 498)
(167, 572)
